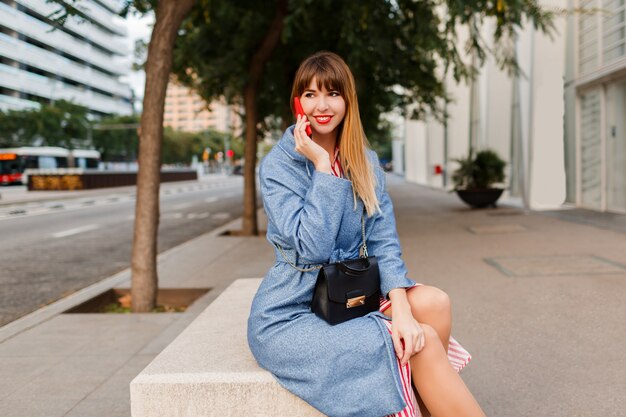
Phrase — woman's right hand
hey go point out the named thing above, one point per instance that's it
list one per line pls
(307, 147)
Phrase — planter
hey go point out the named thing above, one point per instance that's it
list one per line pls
(480, 198)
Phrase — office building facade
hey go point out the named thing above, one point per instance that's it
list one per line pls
(80, 62)
(186, 111)
(595, 96)
(521, 118)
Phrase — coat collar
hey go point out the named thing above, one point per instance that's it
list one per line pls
(288, 144)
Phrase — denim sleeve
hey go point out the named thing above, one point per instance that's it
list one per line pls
(308, 221)
(383, 242)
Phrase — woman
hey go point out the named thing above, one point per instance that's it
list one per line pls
(315, 191)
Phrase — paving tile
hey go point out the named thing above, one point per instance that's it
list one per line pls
(17, 371)
(161, 341)
(523, 266)
(497, 229)
(134, 365)
(41, 345)
(8, 385)
(116, 387)
(26, 365)
(50, 388)
(77, 366)
(36, 407)
(100, 407)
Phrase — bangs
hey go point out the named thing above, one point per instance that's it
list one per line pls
(326, 73)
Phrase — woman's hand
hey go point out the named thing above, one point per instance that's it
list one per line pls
(406, 333)
(307, 147)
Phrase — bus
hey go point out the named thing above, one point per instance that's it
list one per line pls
(14, 161)
(84, 158)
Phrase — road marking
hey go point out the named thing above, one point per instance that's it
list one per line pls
(202, 215)
(75, 231)
(172, 216)
(212, 199)
(221, 216)
(181, 206)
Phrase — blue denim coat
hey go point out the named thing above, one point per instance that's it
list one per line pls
(349, 369)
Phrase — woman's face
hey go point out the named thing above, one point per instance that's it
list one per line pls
(325, 109)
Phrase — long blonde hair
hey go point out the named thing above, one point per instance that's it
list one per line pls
(331, 72)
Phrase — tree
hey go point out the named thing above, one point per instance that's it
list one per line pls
(169, 15)
(115, 137)
(248, 52)
(59, 124)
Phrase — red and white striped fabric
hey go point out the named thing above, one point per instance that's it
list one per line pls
(457, 355)
(336, 166)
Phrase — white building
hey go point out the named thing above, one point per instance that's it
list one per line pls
(521, 119)
(595, 96)
(81, 62)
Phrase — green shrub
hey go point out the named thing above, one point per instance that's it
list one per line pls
(478, 172)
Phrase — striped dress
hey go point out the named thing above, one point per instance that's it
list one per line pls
(457, 355)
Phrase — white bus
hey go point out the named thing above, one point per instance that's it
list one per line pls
(14, 161)
(84, 158)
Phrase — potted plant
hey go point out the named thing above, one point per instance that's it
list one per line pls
(475, 177)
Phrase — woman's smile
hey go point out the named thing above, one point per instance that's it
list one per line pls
(323, 119)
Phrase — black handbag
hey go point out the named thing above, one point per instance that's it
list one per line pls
(347, 289)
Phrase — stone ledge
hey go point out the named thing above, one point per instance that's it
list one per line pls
(208, 370)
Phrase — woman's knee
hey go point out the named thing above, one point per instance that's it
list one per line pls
(429, 300)
(432, 342)
(430, 333)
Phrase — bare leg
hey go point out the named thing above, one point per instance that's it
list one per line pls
(443, 391)
(431, 305)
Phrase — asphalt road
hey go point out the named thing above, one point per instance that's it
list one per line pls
(51, 249)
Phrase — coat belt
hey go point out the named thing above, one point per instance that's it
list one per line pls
(292, 256)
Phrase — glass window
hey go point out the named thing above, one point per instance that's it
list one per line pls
(47, 162)
(616, 146)
(61, 162)
(590, 142)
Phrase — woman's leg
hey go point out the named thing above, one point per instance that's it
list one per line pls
(442, 390)
(431, 306)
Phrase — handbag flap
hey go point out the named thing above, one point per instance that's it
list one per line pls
(352, 278)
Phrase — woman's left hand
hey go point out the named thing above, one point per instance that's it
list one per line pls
(407, 335)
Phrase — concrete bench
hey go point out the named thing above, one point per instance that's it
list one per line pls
(209, 371)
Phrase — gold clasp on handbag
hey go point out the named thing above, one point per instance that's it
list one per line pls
(356, 301)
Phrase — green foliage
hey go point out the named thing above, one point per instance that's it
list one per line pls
(116, 138)
(478, 172)
(60, 124)
(380, 140)
(396, 49)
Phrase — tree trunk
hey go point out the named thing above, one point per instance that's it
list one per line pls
(169, 15)
(257, 63)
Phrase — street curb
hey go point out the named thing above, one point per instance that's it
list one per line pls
(72, 300)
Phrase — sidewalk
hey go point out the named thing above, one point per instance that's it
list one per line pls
(537, 300)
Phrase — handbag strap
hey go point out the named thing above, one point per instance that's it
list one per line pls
(362, 250)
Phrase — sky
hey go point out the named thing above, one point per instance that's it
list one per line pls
(139, 27)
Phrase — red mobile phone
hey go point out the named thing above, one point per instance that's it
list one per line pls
(299, 111)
